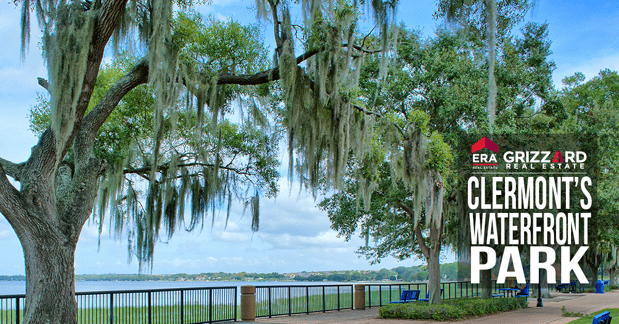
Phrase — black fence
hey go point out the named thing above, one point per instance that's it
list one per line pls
(288, 300)
(383, 294)
(218, 304)
(180, 305)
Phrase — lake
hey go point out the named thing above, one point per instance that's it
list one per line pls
(19, 287)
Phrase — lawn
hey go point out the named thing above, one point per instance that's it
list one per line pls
(614, 312)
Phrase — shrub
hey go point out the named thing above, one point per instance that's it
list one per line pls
(453, 309)
(607, 288)
(567, 313)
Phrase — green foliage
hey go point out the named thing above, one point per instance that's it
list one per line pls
(390, 227)
(435, 90)
(449, 271)
(202, 165)
(588, 319)
(440, 157)
(593, 111)
(454, 309)
(472, 14)
(158, 314)
(566, 313)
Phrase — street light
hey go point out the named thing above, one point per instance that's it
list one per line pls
(539, 290)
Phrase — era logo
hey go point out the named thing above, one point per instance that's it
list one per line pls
(483, 158)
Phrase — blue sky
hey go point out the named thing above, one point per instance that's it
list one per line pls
(294, 235)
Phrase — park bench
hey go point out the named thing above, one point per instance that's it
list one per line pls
(602, 318)
(428, 296)
(407, 297)
(570, 287)
(524, 292)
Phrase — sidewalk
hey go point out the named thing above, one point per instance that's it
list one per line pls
(550, 313)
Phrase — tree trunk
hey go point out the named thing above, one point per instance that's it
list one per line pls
(545, 292)
(486, 279)
(612, 273)
(434, 276)
(50, 278)
(543, 279)
(594, 266)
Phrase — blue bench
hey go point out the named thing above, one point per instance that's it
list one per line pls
(570, 287)
(407, 297)
(524, 292)
(602, 318)
(428, 296)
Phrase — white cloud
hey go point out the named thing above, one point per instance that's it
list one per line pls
(288, 241)
(590, 68)
(226, 236)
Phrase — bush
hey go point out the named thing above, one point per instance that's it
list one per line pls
(453, 309)
(607, 288)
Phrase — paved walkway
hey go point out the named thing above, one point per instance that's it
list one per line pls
(550, 313)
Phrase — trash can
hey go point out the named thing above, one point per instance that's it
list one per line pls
(599, 287)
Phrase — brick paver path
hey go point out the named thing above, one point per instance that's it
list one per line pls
(550, 313)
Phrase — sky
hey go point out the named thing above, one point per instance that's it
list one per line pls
(294, 234)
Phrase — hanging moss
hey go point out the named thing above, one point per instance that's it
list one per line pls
(181, 160)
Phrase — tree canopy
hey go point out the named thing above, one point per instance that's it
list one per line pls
(97, 137)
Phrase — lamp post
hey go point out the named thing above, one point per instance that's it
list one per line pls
(539, 290)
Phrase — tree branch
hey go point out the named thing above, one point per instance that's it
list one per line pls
(422, 244)
(273, 74)
(51, 148)
(276, 25)
(104, 26)
(110, 13)
(43, 83)
(95, 119)
(261, 77)
(12, 169)
(361, 49)
(11, 202)
(185, 165)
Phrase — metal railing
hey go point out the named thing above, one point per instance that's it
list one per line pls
(216, 304)
(383, 294)
(178, 305)
(289, 300)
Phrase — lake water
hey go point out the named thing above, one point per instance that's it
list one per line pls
(19, 287)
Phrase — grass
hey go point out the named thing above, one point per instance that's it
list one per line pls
(614, 312)
(301, 304)
(159, 315)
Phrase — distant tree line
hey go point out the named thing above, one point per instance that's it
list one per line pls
(449, 272)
